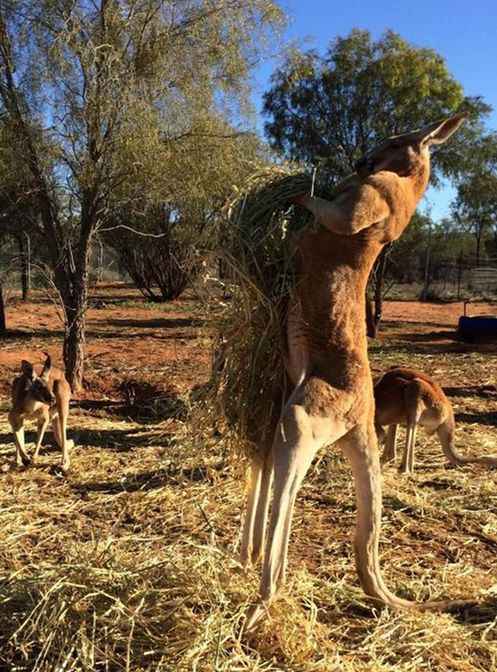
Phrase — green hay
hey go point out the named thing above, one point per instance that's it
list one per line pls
(258, 235)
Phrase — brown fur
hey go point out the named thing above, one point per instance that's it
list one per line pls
(333, 402)
(43, 398)
(409, 397)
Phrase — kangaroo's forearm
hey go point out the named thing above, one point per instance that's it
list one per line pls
(354, 209)
(333, 215)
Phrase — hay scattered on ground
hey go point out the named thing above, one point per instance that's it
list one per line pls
(131, 564)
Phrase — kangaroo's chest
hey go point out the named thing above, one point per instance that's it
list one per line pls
(34, 410)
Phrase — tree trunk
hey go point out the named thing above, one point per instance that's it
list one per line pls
(74, 345)
(379, 285)
(427, 276)
(24, 254)
(3, 323)
(371, 326)
(73, 287)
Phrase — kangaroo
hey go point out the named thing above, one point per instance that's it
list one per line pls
(43, 398)
(332, 401)
(408, 397)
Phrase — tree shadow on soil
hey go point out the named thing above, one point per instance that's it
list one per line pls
(124, 336)
(396, 324)
(114, 440)
(484, 418)
(483, 391)
(157, 323)
(430, 348)
(141, 402)
(24, 335)
(151, 480)
(428, 336)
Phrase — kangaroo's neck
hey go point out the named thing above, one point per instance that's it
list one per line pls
(334, 271)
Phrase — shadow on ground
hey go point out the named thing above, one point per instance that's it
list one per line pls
(428, 336)
(141, 402)
(157, 323)
(409, 348)
(483, 391)
(24, 335)
(484, 418)
(115, 440)
(149, 480)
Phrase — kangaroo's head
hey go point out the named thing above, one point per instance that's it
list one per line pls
(38, 386)
(408, 154)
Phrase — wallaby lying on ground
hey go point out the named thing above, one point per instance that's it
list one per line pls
(41, 398)
(408, 397)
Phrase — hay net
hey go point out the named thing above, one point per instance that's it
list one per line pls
(258, 232)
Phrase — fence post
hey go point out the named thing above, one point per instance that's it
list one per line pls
(424, 291)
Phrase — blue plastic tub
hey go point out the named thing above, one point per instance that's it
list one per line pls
(478, 328)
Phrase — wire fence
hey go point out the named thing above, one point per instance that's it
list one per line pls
(447, 279)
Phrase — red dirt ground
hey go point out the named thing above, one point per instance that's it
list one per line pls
(167, 345)
(127, 339)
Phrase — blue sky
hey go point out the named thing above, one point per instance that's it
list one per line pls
(464, 33)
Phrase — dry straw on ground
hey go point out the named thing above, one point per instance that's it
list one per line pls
(131, 563)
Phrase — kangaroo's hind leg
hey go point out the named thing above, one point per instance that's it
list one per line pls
(59, 423)
(258, 495)
(297, 440)
(390, 451)
(17, 425)
(414, 410)
(42, 425)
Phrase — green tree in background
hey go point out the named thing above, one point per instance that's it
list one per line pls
(116, 86)
(213, 158)
(475, 206)
(327, 110)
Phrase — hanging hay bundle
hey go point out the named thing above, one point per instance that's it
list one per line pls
(258, 237)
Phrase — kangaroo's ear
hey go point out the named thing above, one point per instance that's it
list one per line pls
(440, 131)
(27, 369)
(46, 367)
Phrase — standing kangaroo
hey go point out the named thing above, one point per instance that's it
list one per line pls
(44, 398)
(409, 397)
(332, 401)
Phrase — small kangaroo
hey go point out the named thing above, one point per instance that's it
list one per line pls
(408, 397)
(43, 398)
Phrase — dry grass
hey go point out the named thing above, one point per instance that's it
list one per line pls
(130, 563)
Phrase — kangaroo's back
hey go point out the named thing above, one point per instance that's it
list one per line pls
(402, 391)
